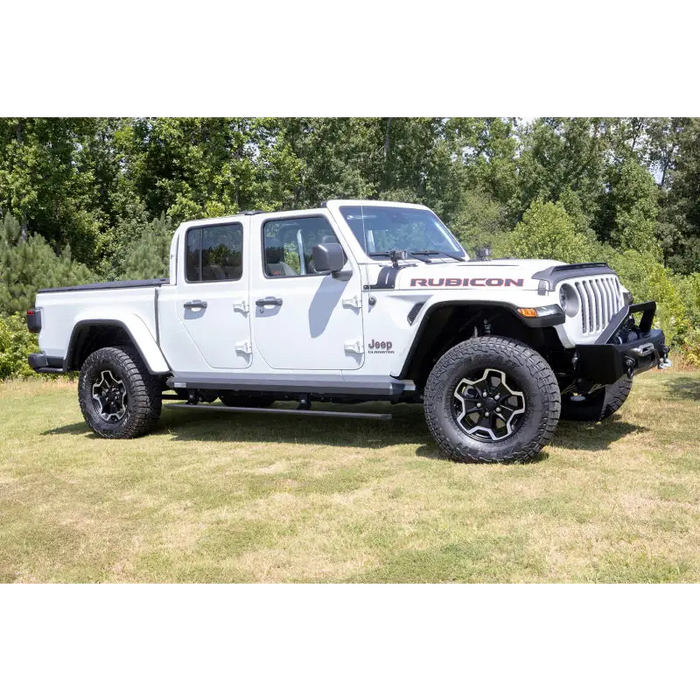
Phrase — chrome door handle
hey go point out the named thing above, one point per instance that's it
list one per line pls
(196, 304)
(269, 301)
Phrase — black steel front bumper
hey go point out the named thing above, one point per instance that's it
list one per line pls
(624, 348)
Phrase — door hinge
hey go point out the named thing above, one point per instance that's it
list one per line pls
(241, 305)
(355, 346)
(244, 347)
(355, 302)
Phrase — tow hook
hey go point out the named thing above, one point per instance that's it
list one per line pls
(643, 350)
(664, 362)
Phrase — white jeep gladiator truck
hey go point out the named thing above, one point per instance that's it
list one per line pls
(354, 301)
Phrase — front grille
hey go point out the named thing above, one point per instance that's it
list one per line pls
(600, 298)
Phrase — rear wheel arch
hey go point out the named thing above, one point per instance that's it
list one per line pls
(91, 335)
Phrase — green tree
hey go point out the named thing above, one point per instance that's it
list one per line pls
(582, 221)
(546, 231)
(680, 216)
(31, 264)
(664, 137)
(196, 167)
(562, 154)
(149, 256)
(487, 149)
(132, 221)
(338, 157)
(629, 208)
(44, 183)
(480, 222)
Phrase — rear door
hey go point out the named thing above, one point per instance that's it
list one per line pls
(302, 319)
(210, 327)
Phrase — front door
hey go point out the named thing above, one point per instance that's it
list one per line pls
(302, 319)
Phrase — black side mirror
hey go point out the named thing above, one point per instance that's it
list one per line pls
(483, 253)
(328, 257)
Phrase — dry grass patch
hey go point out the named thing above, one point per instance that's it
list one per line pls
(247, 498)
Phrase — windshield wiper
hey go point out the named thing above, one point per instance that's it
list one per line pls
(454, 256)
(394, 255)
(420, 255)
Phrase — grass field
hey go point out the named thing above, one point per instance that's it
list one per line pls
(241, 497)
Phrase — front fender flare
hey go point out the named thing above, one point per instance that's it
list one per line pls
(400, 369)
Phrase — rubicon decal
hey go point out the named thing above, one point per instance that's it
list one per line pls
(466, 282)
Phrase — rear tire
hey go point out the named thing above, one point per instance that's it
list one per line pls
(118, 396)
(598, 406)
(479, 383)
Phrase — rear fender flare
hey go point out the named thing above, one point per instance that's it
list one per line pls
(135, 328)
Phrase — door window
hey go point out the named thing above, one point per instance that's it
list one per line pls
(214, 253)
(288, 245)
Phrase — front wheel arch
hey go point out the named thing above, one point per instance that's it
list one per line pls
(444, 324)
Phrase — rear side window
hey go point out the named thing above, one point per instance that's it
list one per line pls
(214, 253)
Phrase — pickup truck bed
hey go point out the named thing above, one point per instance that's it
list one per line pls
(109, 285)
(68, 313)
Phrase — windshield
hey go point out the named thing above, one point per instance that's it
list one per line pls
(383, 229)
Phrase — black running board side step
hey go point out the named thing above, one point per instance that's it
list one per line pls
(286, 411)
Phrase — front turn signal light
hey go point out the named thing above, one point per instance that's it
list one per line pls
(541, 311)
(528, 313)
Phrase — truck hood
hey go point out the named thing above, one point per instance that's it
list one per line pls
(490, 273)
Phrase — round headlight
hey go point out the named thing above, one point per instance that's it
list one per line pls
(568, 300)
(563, 298)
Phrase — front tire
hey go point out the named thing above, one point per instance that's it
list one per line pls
(597, 406)
(492, 399)
(118, 396)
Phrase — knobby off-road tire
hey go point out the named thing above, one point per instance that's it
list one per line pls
(530, 382)
(118, 396)
(598, 406)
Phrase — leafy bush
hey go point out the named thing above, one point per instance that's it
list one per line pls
(648, 279)
(691, 348)
(16, 342)
(689, 289)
